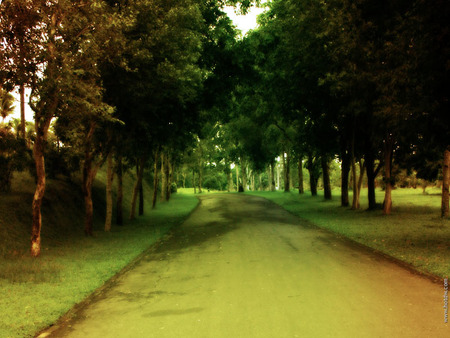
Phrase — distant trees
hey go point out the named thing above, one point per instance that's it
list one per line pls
(356, 81)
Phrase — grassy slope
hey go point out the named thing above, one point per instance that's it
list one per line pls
(414, 233)
(34, 293)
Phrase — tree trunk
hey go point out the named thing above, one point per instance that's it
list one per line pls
(445, 184)
(362, 167)
(141, 199)
(193, 182)
(88, 178)
(89, 173)
(356, 188)
(38, 154)
(370, 169)
(301, 189)
(138, 182)
(169, 170)
(155, 179)
(42, 124)
(287, 174)
(312, 178)
(163, 177)
(200, 177)
(326, 178)
(253, 181)
(278, 177)
(237, 177)
(388, 153)
(141, 193)
(244, 174)
(109, 199)
(355, 200)
(229, 178)
(344, 179)
(312, 183)
(23, 131)
(119, 201)
(272, 176)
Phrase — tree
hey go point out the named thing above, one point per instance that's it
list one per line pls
(53, 38)
(6, 104)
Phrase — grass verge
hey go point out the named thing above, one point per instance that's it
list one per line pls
(36, 292)
(413, 233)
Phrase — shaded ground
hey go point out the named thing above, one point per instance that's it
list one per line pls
(241, 266)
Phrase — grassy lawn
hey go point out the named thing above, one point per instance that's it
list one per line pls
(36, 292)
(413, 233)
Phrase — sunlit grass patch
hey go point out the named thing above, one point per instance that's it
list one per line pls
(413, 233)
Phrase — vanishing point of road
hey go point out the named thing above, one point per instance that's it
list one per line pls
(240, 266)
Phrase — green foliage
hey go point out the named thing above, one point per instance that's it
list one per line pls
(14, 156)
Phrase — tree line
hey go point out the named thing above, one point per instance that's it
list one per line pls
(116, 83)
(168, 87)
(364, 82)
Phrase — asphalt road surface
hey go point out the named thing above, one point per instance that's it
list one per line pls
(241, 266)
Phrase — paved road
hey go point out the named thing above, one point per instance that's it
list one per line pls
(241, 266)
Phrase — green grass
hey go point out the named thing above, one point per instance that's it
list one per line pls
(413, 233)
(36, 292)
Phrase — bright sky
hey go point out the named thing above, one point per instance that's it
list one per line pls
(244, 22)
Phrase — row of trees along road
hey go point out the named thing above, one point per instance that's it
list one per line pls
(167, 85)
(364, 81)
(122, 82)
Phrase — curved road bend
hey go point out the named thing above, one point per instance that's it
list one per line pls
(241, 266)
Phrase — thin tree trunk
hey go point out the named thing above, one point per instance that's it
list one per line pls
(312, 183)
(388, 153)
(88, 179)
(42, 124)
(229, 178)
(38, 154)
(237, 177)
(141, 193)
(109, 199)
(22, 114)
(200, 178)
(141, 199)
(362, 168)
(119, 201)
(355, 187)
(355, 200)
(168, 175)
(163, 177)
(312, 178)
(278, 177)
(155, 178)
(344, 179)
(445, 184)
(272, 176)
(89, 173)
(301, 189)
(136, 187)
(326, 177)
(244, 174)
(193, 181)
(370, 169)
(287, 174)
